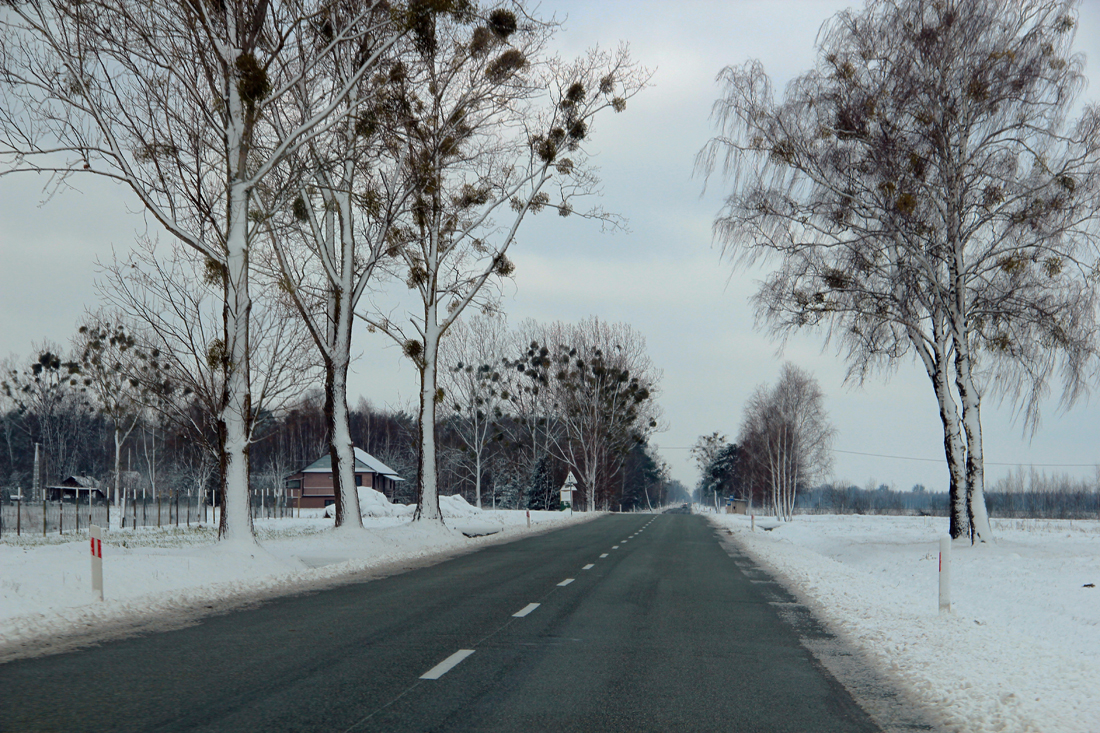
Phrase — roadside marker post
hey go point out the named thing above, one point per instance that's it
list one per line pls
(528, 519)
(753, 522)
(97, 560)
(945, 575)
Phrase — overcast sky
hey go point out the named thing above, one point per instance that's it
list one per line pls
(663, 277)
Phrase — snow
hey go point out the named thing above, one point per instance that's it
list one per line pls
(158, 578)
(1020, 651)
(375, 504)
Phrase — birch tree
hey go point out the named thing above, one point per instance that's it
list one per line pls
(494, 126)
(786, 438)
(172, 100)
(925, 193)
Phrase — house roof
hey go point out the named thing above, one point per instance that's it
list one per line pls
(86, 482)
(364, 462)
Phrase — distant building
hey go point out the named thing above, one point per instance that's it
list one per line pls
(76, 488)
(737, 506)
(313, 484)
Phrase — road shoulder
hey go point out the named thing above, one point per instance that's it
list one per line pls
(883, 697)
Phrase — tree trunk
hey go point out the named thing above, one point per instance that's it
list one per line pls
(477, 476)
(118, 466)
(427, 504)
(236, 413)
(975, 463)
(955, 451)
(341, 450)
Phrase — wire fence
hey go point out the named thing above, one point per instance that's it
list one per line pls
(51, 517)
(66, 517)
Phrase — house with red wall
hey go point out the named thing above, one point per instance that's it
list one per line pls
(313, 484)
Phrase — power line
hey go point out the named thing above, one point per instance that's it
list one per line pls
(937, 460)
(988, 463)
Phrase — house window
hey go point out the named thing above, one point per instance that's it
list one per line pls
(358, 479)
(294, 484)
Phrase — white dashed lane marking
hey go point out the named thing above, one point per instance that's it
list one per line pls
(525, 610)
(604, 555)
(446, 665)
(589, 566)
(567, 581)
(614, 547)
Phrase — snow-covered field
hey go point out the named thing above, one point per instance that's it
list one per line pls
(158, 578)
(1021, 650)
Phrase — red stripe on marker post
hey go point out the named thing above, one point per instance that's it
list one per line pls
(96, 534)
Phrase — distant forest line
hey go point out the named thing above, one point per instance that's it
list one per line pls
(1065, 499)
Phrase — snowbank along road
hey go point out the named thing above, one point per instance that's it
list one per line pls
(627, 623)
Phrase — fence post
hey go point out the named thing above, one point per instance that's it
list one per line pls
(43, 517)
(945, 575)
(61, 520)
(96, 535)
(19, 514)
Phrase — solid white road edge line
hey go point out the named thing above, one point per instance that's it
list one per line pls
(589, 566)
(446, 665)
(525, 610)
(567, 581)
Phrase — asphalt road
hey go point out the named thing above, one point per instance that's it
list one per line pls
(643, 623)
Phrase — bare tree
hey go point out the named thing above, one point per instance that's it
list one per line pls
(50, 400)
(603, 386)
(786, 437)
(493, 125)
(174, 303)
(351, 187)
(705, 451)
(474, 380)
(924, 192)
(173, 100)
(119, 373)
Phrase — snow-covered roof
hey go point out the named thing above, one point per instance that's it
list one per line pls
(72, 482)
(364, 462)
(361, 456)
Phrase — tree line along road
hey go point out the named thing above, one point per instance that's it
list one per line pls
(626, 623)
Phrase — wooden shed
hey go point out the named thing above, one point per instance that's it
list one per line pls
(77, 488)
(313, 484)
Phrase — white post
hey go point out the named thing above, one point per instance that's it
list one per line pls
(97, 560)
(528, 519)
(753, 522)
(945, 575)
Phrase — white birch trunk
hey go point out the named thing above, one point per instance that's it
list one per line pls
(975, 465)
(954, 448)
